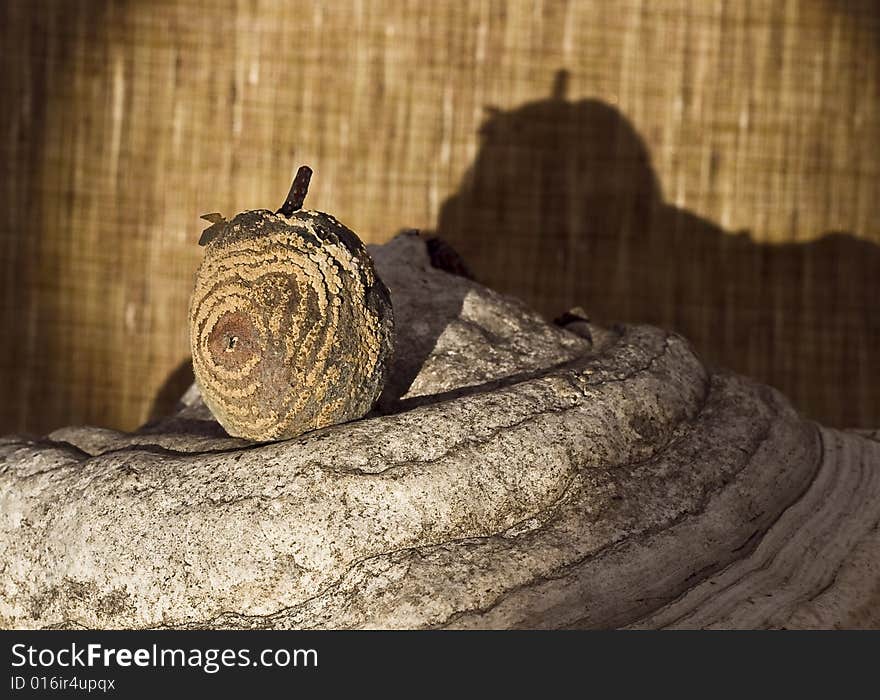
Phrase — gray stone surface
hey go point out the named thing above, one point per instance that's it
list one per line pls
(514, 475)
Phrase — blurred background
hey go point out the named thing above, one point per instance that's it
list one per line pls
(708, 166)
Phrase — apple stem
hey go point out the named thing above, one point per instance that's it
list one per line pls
(298, 191)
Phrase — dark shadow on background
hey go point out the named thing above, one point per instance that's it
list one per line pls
(24, 66)
(39, 44)
(562, 207)
(175, 385)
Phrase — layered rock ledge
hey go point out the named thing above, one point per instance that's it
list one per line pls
(515, 474)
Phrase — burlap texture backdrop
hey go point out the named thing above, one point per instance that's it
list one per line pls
(681, 163)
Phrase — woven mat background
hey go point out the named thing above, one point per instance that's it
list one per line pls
(606, 154)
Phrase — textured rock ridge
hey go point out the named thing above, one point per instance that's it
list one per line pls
(514, 475)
